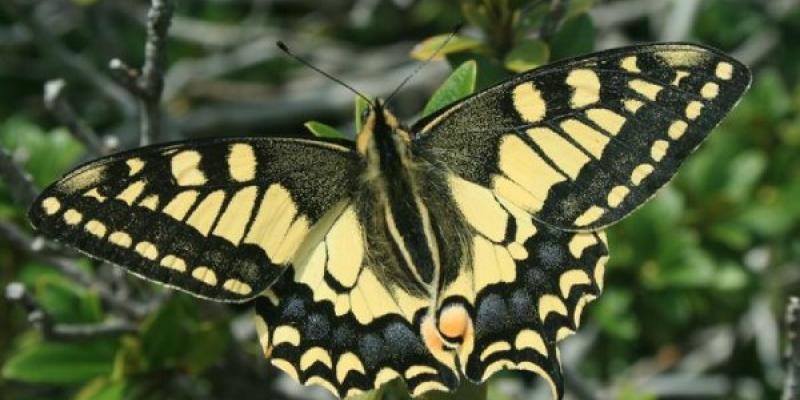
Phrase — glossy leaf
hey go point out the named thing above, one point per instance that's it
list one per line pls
(103, 389)
(164, 334)
(361, 107)
(490, 70)
(436, 45)
(207, 344)
(575, 37)
(61, 363)
(527, 54)
(322, 130)
(66, 301)
(460, 84)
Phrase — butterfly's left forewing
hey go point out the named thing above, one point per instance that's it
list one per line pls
(220, 219)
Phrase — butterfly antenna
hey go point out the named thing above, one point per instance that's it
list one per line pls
(424, 63)
(288, 52)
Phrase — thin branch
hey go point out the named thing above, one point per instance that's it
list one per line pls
(44, 322)
(757, 46)
(19, 182)
(152, 79)
(55, 102)
(126, 76)
(73, 64)
(791, 388)
(679, 21)
(558, 11)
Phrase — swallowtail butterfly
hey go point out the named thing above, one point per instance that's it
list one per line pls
(463, 245)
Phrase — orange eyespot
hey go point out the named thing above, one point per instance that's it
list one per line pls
(454, 321)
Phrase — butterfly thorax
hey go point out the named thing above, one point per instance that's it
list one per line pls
(392, 175)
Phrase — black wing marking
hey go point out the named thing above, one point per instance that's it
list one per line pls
(581, 143)
(218, 218)
(523, 288)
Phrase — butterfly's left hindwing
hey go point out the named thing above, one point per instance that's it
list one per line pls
(220, 219)
(580, 144)
(344, 319)
(315, 344)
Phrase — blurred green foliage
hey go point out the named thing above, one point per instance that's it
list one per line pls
(721, 237)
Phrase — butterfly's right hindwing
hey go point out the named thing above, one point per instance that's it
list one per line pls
(220, 219)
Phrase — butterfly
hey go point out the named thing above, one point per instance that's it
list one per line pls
(463, 245)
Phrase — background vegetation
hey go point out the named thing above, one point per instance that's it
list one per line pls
(697, 281)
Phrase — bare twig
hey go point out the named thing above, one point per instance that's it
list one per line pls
(55, 102)
(74, 65)
(44, 322)
(22, 188)
(679, 21)
(126, 76)
(791, 388)
(152, 78)
(148, 84)
(556, 15)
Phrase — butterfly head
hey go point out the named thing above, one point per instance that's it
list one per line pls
(381, 132)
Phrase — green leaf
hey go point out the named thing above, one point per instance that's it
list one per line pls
(612, 311)
(324, 130)
(66, 301)
(457, 44)
(745, 171)
(103, 389)
(33, 272)
(576, 37)
(164, 334)
(61, 363)
(49, 153)
(129, 359)
(527, 54)
(207, 345)
(577, 7)
(731, 277)
(361, 111)
(490, 70)
(476, 14)
(460, 84)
